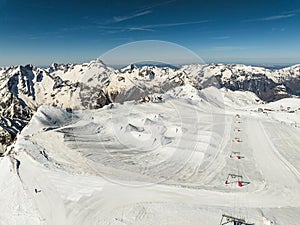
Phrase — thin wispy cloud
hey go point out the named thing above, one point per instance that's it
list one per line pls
(148, 27)
(118, 19)
(278, 29)
(161, 25)
(292, 11)
(77, 28)
(271, 18)
(36, 36)
(115, 30)
(137, 13)
(112, 28)
(139, 29)
(221, 38)
(155, 5)
(227, 48)
(235, 48)
(278, 17)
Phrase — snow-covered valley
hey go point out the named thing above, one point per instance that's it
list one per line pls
(183, 157)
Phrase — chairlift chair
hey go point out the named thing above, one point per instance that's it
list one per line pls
(236, 154)
(233, 221)
(236, 179)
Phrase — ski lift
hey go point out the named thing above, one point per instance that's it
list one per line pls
(235, 178)
(232, 178)
(233, 221)
(236, 139)
(236, 154)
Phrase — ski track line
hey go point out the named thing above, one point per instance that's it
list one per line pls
(279, 155)
(278, 177)
(287, 138)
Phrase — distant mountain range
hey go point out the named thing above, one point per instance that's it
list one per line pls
(93, 85)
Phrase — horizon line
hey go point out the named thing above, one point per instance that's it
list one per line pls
(122, 65)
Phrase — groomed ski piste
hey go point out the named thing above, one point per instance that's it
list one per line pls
(189, 159)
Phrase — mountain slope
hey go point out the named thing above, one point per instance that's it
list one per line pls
(93, 85)
(155, 162)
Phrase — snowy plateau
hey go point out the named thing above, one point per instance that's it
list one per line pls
(85, 144)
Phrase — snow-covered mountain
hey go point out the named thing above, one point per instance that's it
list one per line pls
(186, 156)
(92, 85)
(141, 144)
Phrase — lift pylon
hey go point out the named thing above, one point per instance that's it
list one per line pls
(237, 140)
(230, 220)
(236, 154)
(235, 178)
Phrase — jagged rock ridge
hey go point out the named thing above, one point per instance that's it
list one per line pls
(93, 85)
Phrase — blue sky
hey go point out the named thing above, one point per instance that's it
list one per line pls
(246, 31)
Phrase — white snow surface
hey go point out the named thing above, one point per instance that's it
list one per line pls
(156, 163)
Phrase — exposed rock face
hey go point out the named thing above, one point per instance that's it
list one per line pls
(269, 85)
(9, 128)
(292, 86)
(24, 88)
(93, 85)
(260, 84)
(93, 97)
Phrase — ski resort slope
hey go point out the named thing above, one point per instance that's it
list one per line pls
(154, 163)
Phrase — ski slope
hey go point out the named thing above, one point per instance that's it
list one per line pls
(154, 163)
